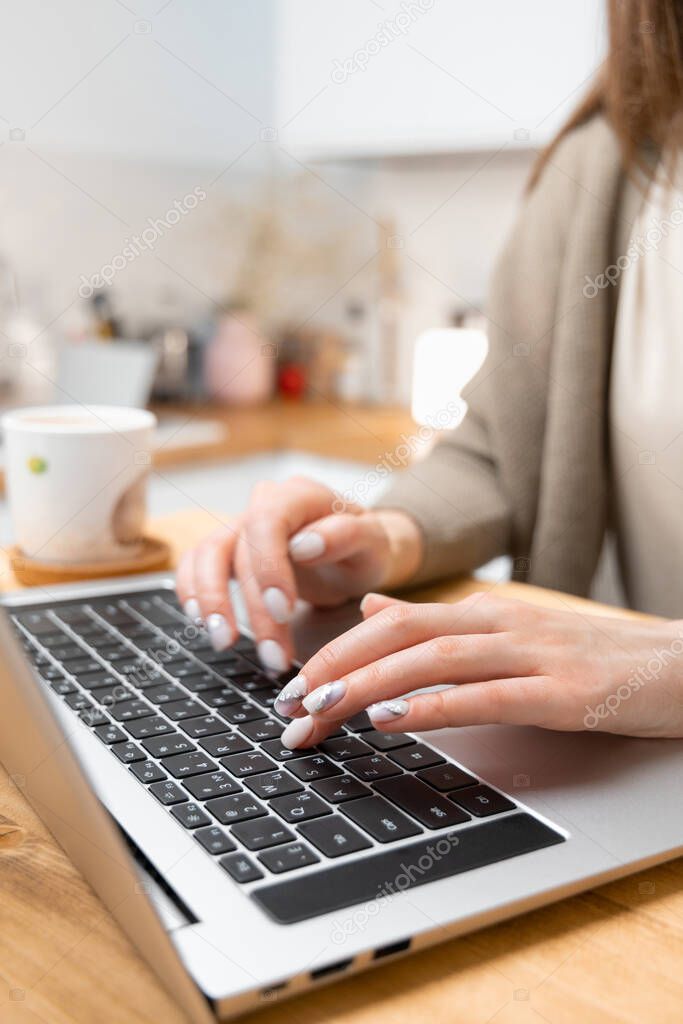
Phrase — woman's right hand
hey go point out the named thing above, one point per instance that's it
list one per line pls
(292, 542)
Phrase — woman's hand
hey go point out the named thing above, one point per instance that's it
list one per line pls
(292, 542)
(508, 662)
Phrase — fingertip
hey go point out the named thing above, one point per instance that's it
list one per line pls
(370, 604)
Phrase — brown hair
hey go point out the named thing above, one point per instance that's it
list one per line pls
(639, 87)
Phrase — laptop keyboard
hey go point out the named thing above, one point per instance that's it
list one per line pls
(197, 728)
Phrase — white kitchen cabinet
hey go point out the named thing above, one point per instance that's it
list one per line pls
(366, 78)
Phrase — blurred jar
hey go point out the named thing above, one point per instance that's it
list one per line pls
(239, 364)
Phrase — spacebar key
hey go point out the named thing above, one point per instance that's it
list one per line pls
(366, 878)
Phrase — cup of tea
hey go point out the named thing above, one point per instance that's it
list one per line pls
(77, 480)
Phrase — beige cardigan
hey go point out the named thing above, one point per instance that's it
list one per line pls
(527, 471)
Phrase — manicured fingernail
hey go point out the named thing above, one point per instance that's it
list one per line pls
(289, 699)
(272, 656)
(297, 732)
(277, 605)
(306, 545)
(365, 601)
(192, 609)
(324, 697)
(220, 633)
(387, 710)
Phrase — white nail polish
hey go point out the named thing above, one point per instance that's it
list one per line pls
(306, 545)
(220, 633)
(272, 656)
(387, 710)
(289, 698)
(324, 697)
(297, 732)
(192, 609)
(277, 605)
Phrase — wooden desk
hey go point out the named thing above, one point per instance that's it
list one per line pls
(611, 955)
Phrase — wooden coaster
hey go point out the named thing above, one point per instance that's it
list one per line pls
(31, 572)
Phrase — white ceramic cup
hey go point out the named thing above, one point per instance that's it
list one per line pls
(76, 480)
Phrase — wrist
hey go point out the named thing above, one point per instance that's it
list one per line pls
(406, 547)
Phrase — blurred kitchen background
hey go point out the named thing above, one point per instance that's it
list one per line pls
(273, 199)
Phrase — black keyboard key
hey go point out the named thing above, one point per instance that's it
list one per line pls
(152, 611)
(369, 769)
(420, 800)
(183, 668)
(262, 730)
(262, 832)
(78, 701)
(344, 748)
(300, 806)
(68, 652)
(308, 769)
(482, 801)
(207, 725)
(168, 745)
(108, 696)
(376, 816)
(343, 788)
(280, 753)
(360, 723)
(114, 614)
(168, 793)
(288, 858)
(110, 734)
(240, 867)
(266, 695)
(334, 836)
(242, 712)
(224, 744)
(249, 682)
(97, 680)
(201, 684)
(190, 815)
(128, 752)
(179, 709)
(51, 672)
(147, 771)
(221, 697)
(250, 763)
(417, 756)
(37, 623)
(214, 840)
(142, 728)
(93, 717)
(273, 784)
(62, 686)
(231, 809)
(205, 787)
(182, 766)
(164, 694)
(387, 740)
(131, 709)
(359, 880)
(446, 777)
(76, 668)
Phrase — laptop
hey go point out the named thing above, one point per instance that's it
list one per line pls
(244, 872)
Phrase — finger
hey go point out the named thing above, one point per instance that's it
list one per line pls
(212, 566)
(525, 700)
(307, 731)
(275, 514)
(373, 603)
(184, 583)
(273, 641)
(443, 659)
(336, 538)
(399, 626)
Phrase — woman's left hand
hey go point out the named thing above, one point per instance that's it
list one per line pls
(507, 661)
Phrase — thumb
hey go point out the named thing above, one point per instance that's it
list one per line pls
(373, 603)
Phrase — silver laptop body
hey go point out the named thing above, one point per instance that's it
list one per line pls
(604, 806)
